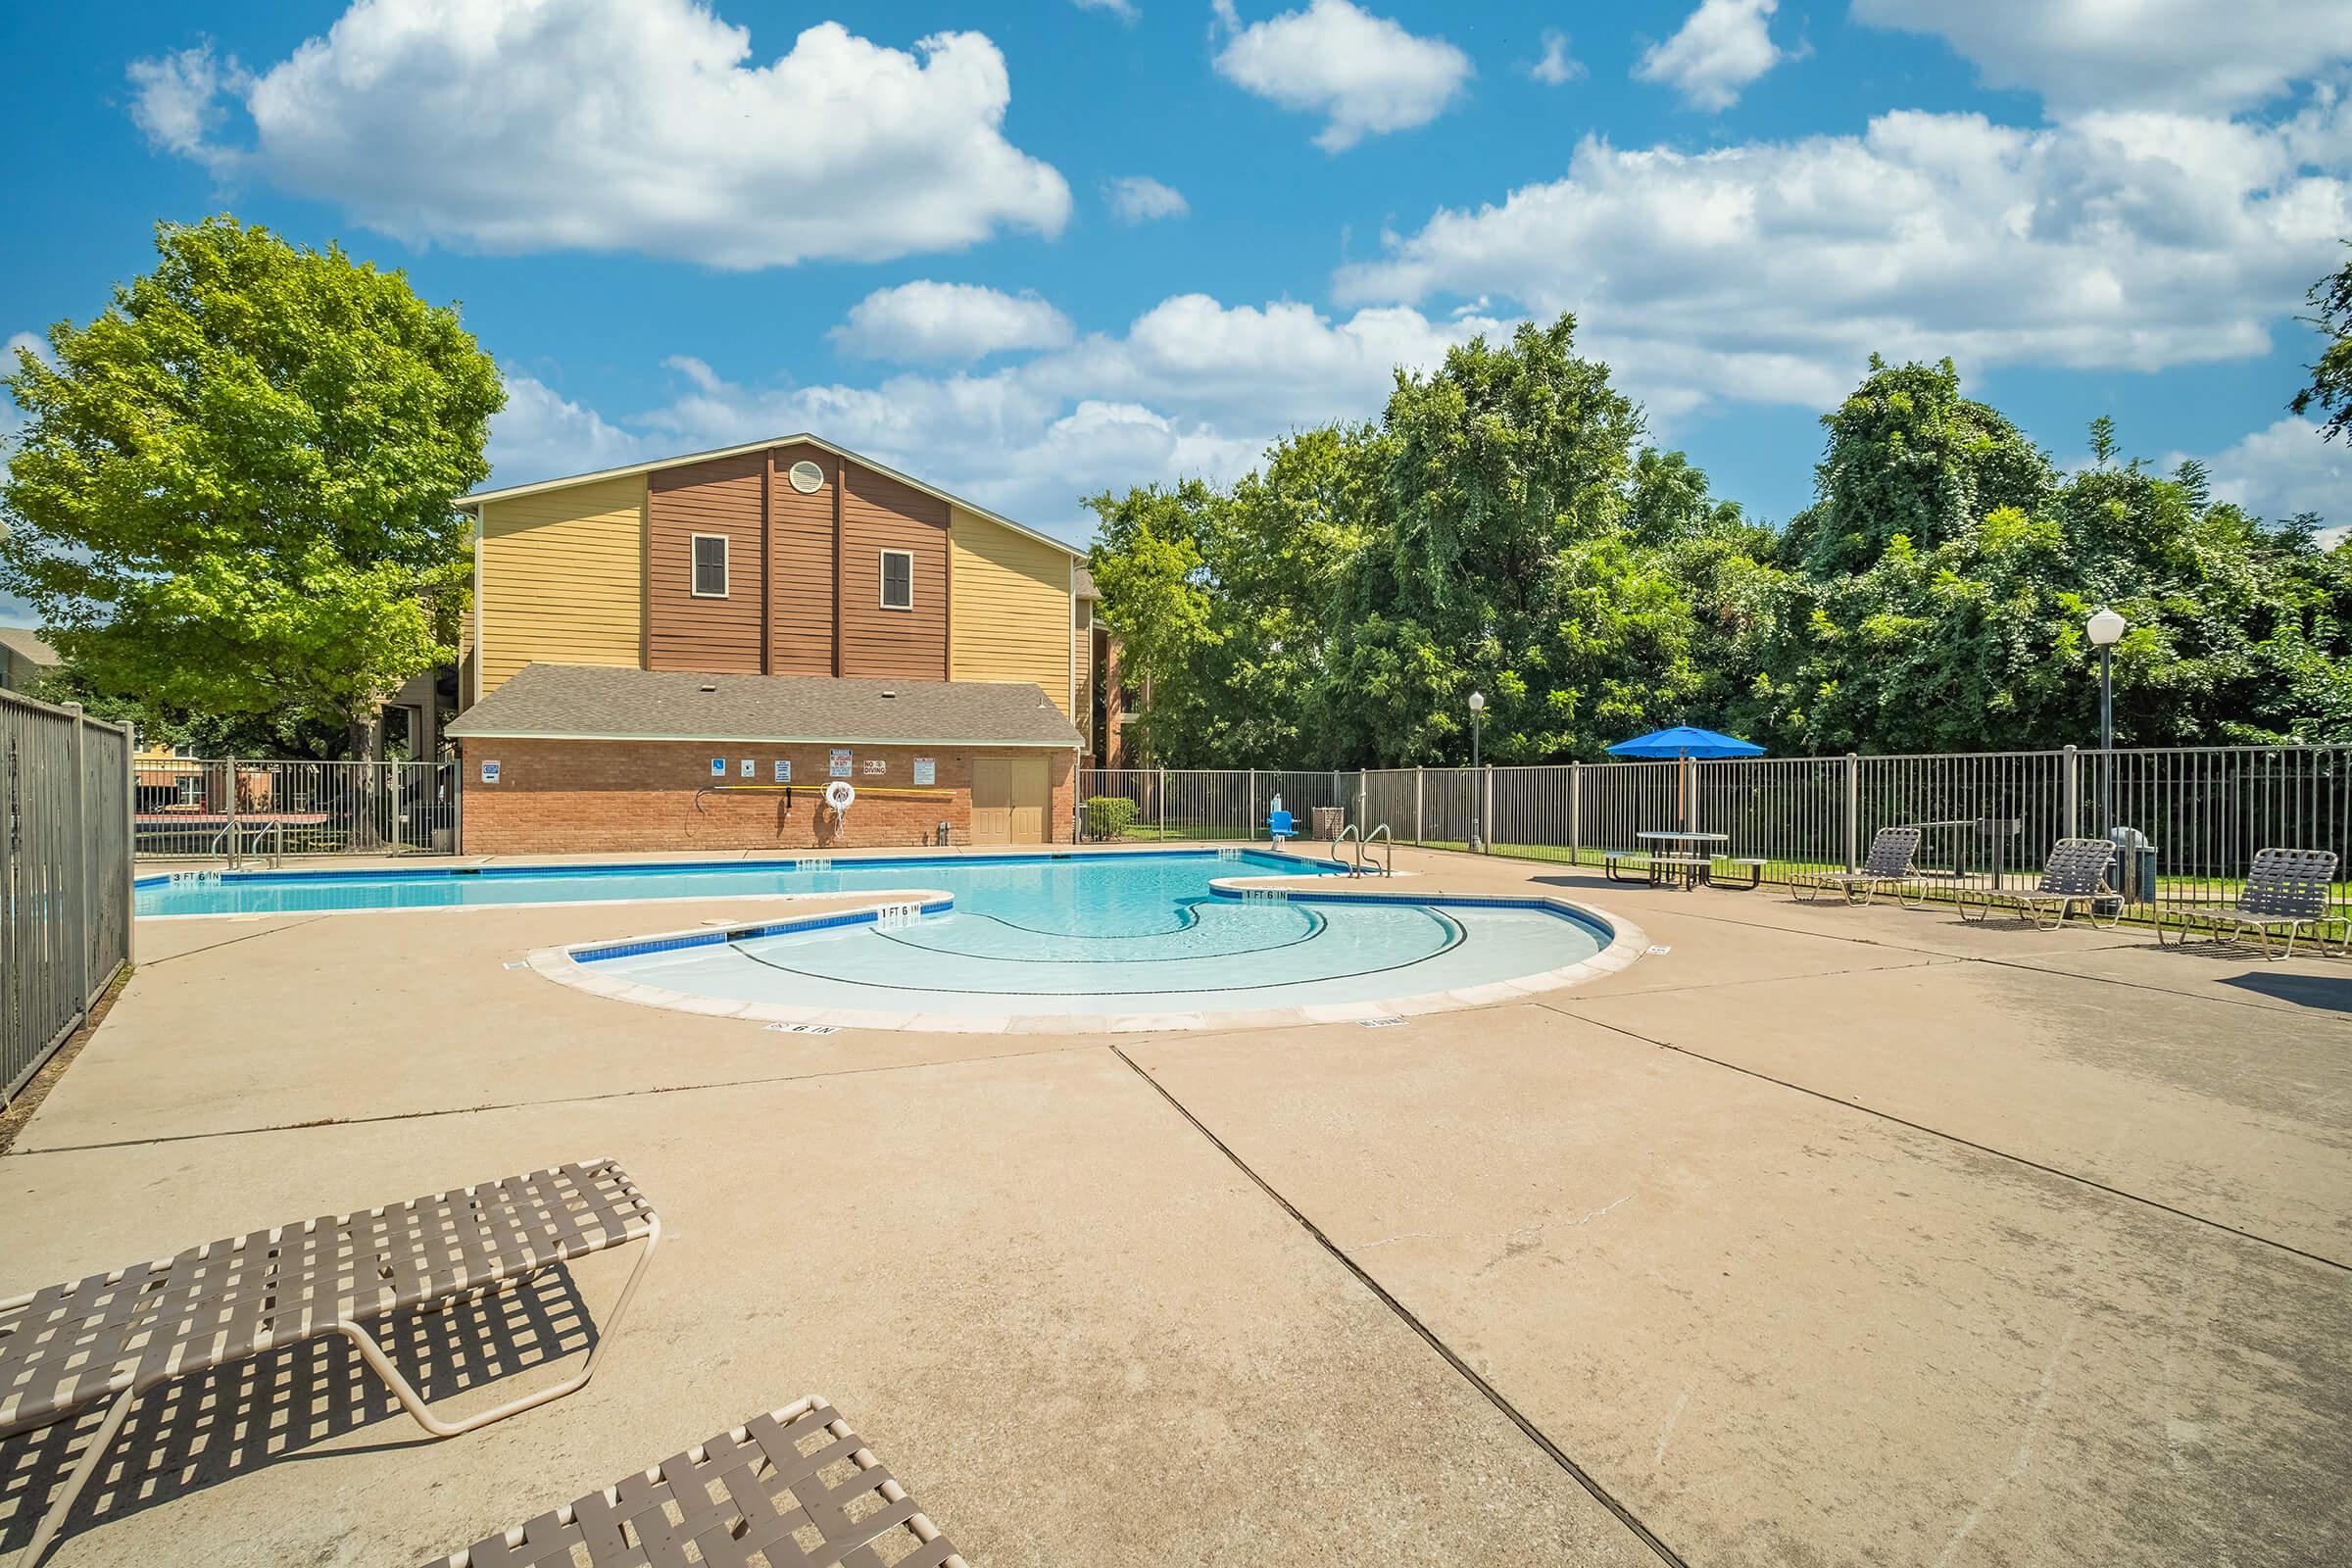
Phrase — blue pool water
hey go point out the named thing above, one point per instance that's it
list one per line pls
(1070, 894)
(1129, 934)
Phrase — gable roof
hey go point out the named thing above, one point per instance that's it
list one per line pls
(597, 701)
(473, 502)
(26, 644)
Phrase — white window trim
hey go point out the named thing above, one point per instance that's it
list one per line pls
(694, 570)
(882, 580)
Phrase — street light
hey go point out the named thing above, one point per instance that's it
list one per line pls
(1478, 707)
(2104, 629)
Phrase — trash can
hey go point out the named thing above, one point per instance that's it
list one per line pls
(2134, 868)
(1329, 820)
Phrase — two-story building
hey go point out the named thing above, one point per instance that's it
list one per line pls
(690, 652)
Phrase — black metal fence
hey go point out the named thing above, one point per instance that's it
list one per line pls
(65, 876)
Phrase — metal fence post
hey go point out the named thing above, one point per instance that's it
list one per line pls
(131, 844)
(2070, 793)
(1576, 813)
(1853, 808)
(1250, 815)
(233, 831)
(1162, 791)
(80, 900)
(1485, 811)
(1418, 818)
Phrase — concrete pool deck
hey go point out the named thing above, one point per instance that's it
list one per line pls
(1829, 1235)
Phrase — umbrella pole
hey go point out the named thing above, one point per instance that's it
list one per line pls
(1689, 805)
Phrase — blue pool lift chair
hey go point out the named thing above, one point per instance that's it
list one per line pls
(1280, 827)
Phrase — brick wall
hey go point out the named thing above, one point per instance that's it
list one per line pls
(553, 797)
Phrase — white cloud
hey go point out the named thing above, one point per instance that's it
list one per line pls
(1364, 73)
(1193, 387)
(1124, 10)
(1139, 198)
(1770, 271)
(1720, 48)
(2176, 53)
(622, 124)
(2282, 470)
(927, 320)
(1558, 66)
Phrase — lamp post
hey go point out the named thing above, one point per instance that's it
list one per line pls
(1478, 707)
(2104, 629)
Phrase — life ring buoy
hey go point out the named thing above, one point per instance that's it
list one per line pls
(841, 794)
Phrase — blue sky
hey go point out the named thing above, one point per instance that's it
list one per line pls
(1033, 252)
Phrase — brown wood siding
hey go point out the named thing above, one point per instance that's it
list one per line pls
(799, 565)
(683, 632)
(879, 513)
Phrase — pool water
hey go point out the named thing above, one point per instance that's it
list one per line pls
(1121, 934)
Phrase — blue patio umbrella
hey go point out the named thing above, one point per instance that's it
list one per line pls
(1681, 744)
(1686, 739)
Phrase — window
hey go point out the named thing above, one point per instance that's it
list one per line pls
(709, 565)
(898, 579)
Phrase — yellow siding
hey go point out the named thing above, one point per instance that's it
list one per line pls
(1010, 616)
(563, 580)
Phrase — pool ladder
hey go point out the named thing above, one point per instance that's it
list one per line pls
(1364, 842)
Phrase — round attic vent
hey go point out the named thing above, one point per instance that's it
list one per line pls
(806, 477)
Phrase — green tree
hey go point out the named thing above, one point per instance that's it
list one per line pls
(2331, 388)
(1909, 457)
(232, 495)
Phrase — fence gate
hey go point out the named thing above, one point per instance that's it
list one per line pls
(65, 876)
(230, 808)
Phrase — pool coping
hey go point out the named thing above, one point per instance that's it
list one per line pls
(564, 965)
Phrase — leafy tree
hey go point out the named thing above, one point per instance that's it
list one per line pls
(1909, 457)
(232, 492)
(2331, 388)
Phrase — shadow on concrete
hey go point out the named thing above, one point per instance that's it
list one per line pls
(2329, 993)
(197, 1431)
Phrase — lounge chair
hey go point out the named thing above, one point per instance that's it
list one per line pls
(2075, 873)
(1889, 865)
(2289, 888)
(115, 1336)
(755, 1493)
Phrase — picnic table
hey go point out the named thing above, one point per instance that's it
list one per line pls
(1682, 856)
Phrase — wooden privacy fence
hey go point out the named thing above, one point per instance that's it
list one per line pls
(65, 876)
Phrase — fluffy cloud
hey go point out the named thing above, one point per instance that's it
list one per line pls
(621, 124)
(1193, 387)
(1364, 73)
(1139, 199)
(2283, 470)
(1124, 10)
(1719, 49)
(926, 321)
(2175, 54)
(1558, 66)
(1772, 271)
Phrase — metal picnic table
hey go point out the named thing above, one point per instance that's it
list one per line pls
(1681, 854)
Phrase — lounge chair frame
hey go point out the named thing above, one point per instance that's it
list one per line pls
(2076, 875)
(2289, 888)
(1890, 863)
(117, 1335)
(756, 1488)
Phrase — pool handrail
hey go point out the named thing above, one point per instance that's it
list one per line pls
(1387, 861)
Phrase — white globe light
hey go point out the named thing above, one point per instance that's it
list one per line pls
(1477, 702)
(2105, 628)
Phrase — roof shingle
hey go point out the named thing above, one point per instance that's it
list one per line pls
(587, 701)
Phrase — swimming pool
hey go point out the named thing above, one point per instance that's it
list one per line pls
(1121, 939)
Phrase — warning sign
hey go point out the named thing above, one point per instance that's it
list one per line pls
(876, 766)
(837, 764)
(926, 770)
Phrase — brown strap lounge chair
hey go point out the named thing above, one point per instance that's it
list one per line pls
(1889, 865)
(2289, 888)
(2076, 873)
(113, 1335)
(756, 1494)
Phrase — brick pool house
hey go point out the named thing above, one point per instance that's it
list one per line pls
(687, 653)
